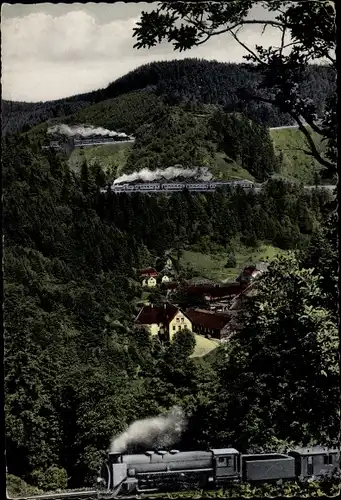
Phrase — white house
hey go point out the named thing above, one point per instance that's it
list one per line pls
(150, 282)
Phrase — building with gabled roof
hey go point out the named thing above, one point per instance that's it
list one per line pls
(164, 320)
(249, 273)
(149, 282)
(209, 323)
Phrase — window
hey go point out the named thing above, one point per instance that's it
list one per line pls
(174, 327)
(178, 319)
(227, 461)
(182, 320)
(328, 459)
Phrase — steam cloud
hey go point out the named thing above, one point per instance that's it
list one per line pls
(155, 432)
(145, 175)
(84, 131)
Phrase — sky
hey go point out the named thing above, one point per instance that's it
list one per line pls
(50, 51)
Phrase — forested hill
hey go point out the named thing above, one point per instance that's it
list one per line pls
(75, 374)
(189, 80)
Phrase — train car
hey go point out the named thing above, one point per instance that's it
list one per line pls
(223, 184)
(157, 471)
(198, 186)
(126, 187)
(147, 187)
(315, 462)
(172, 186)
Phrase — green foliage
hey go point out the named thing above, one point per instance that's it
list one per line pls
(111, 157)
(174, 138)
(17, 487)
(322, 256)
(282, 368)
(183, 344)
(231, 260)
(124, 113)
(52, 479)
(247, 143)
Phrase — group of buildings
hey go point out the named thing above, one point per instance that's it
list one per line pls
(216, 319)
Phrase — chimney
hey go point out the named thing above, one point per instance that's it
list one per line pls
(114, 457)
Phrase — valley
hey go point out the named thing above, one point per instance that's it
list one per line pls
(122, 306)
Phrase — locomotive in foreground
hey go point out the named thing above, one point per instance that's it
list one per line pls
(159, 471)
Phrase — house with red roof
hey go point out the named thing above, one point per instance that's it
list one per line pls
(149, 276)
(252, 271)
(164, 320)
(209, 323)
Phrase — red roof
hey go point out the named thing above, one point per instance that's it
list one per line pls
(207, 319)
(149, 271)
(216, 291)
(150, 315)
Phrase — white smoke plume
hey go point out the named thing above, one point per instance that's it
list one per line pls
(84, 131)
(155, 432)
(145, 175)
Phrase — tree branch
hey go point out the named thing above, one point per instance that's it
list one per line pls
(210, 33)
(247, 48)
(314, 151)
(282, 41)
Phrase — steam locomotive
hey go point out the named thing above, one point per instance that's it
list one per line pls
(159, 471)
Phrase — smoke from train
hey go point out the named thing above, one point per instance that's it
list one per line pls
(155, 432)
(83, 131)
(146, 175)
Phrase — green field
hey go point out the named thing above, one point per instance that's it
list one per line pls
(225, 168)
(203, 346)
(296, 164)
(212, 266)
(111, 157)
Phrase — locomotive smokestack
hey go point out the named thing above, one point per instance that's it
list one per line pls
(114, 457)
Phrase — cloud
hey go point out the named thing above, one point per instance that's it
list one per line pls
(47, 57)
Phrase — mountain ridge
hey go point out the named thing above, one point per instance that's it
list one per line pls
(186, 80)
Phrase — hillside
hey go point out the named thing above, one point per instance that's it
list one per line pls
(188, 80)
(182, 134)
(212, 266)
(181, 112)
(296, 164)
(111, 158)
